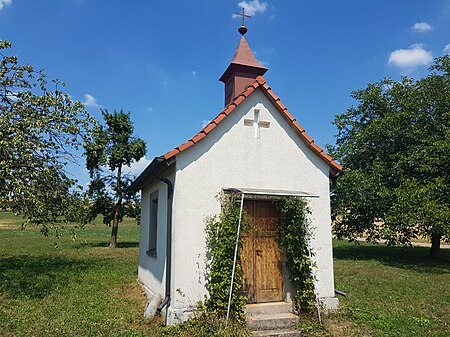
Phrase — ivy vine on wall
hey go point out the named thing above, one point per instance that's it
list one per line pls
(295, 235)
(221, 233)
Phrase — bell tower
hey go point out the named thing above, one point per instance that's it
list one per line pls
(243, 69)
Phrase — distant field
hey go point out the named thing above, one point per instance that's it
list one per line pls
(7, 219)
(83, 288)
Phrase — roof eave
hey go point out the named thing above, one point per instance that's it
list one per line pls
(152, 170)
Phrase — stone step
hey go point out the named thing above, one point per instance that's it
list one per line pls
(268, 308)
(276, 333)
(271, 321)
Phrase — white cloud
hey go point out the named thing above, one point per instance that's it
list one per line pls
(252, 7)
(139, 166)
(205, 122)
(421, 27)
(447, 49)
(4, 3)
(90, 100)
(412, 57)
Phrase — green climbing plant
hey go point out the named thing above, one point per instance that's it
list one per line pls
(295, 235)
(221, 233)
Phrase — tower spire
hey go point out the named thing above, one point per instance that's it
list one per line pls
(244, 67)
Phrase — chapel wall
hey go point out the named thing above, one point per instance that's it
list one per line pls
(151, 269)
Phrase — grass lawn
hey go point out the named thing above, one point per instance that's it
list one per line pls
(80, 288)
(393, 291)
(84, 288)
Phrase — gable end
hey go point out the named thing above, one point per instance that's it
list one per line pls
(260, 82)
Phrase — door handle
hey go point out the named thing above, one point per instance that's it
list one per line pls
(259, 252)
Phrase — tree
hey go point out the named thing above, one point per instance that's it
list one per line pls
(113, 147)
(395, 148)
(40, 131)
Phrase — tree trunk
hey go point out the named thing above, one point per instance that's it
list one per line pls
(435, 246)
(115, 224)
(115, 227)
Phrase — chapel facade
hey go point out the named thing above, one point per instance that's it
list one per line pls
(254, 147)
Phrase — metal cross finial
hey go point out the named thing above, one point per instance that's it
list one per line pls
(243, 15)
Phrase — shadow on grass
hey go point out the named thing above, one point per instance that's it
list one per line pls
(126, 244)
(414, 258)
(36, 277)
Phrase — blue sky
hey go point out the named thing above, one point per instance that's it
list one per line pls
(161, 60)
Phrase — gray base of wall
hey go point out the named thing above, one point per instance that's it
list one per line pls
(329, 303)
(176, 316)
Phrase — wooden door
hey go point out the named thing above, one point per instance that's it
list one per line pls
(261, 254)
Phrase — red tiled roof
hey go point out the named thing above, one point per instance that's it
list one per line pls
(260, 82)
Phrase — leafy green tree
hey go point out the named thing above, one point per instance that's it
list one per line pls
(395, 147)
(41, 129)
(111, 149)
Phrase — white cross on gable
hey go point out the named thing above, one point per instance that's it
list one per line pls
(256, 123)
